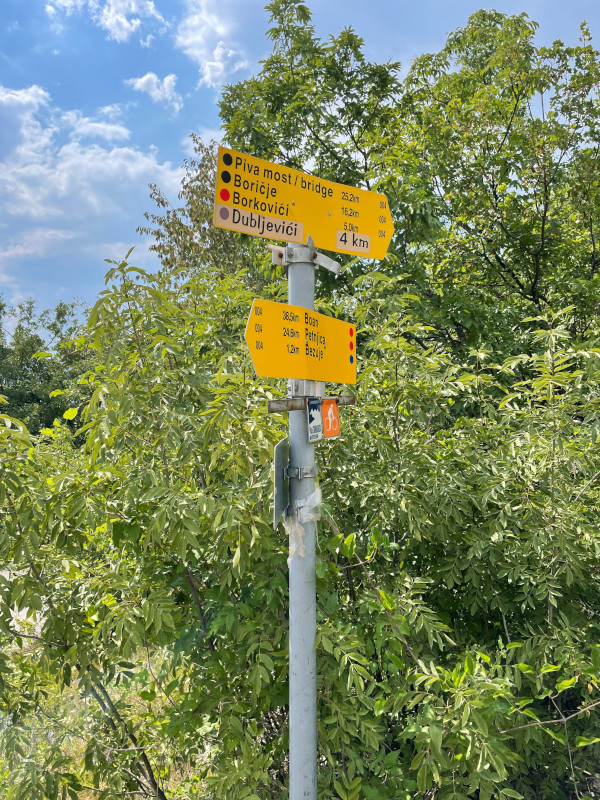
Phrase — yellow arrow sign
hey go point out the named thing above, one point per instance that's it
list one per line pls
(264, 199)
(292, 342)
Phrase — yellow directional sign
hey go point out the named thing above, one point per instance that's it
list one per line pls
(264, 199)
(292, 342)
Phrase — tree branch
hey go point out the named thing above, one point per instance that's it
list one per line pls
(561, 719)
(145, 767)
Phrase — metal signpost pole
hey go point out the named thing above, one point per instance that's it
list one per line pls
(302, 576)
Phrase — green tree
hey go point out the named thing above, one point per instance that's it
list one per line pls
(484, 152)
(458, 644)
(314, 101)
(501, 131)
(185, 239)
(39, 361)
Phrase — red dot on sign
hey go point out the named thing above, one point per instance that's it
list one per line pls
(351, 331)
(225, 194)
(351, 345)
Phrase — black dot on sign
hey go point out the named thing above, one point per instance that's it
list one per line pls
(225, 176)
(227, 159)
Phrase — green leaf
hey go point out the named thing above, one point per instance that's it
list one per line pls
(267, 661)
(584, 741)
(423, 777)
(347, 547)
(527, 668)
(435, 735)
(388, 600)
(566, 684)
(70, 413)
(480, 722)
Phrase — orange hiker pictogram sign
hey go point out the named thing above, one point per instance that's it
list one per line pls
(331, 418)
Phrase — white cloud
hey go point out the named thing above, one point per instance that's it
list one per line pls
(33, 242)
(32, 97)
(214, 73)
(68, 6)
(77, 180)
(21, 115)
(162, 92)
(85, 127)
(201, 35)
(66, 198)
(50, 170)
(199, 28)
(112, 112)
(9, 282)
(31, 126)
(62, 195)
(119, 18)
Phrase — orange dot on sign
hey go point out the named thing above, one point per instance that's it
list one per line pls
(225, 195)
(351, 345)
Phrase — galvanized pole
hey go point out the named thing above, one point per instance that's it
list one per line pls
(302, 575)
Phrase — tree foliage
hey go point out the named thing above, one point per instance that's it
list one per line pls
(39, 362)
(143, 613)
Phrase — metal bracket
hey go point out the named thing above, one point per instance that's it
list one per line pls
(277, 255)
(287, 404)
(300, 472)
(283, 256)
(327, 263)
(299, 403)
(281, 485)
(305, 388)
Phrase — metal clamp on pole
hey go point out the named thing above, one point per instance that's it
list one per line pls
(283, 256)
(301, 472)
(299, 254)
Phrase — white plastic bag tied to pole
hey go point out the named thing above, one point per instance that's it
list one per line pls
(306, 510)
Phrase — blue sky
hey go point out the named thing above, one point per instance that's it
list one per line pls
(98, 98)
